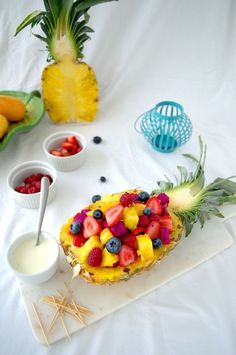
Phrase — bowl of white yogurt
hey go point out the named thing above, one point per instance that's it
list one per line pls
(31, 263)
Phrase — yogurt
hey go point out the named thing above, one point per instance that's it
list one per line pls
(28, 259)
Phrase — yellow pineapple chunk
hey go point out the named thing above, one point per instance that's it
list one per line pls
(105, 235)
(108, 259)
(145, 248)
(82, 252)
(130, 216)
(106, 202)
(139, 208)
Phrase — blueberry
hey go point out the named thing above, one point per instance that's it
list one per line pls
(113, 245)
(96, 198)
(157, 243)
(75, 227)
(103, 179)
(143, 196)
(97, 139)
(147, 211)
(97, 214)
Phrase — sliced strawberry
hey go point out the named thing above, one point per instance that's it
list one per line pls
(166, 222)
(127, 255)
(65, 152)
(78, 240)
(79, 149)
(114, 215)
(130, 240)
(73, 140)
(138, 230)
(68, 146)
(74, 150)
(91, 227)
(153, 229)
(56, 153)
(154, 204)
(154, 217)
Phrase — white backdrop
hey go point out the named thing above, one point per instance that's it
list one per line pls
(143, 52)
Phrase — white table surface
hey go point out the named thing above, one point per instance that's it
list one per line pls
(142, 53)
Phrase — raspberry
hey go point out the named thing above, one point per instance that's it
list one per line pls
(95, 257)
(143, 221)
(126, 199)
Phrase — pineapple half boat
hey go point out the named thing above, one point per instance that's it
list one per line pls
(125, 233)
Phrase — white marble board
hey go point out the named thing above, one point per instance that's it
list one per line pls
(102, 300)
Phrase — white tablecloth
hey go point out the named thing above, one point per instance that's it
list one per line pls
(143, 52)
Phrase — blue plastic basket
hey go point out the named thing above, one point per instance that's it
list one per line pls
(166, 126)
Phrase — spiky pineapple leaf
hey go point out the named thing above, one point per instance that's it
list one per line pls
(32, 19)
(193, 202)
(86, 4)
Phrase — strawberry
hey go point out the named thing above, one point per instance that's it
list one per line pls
(113, 215)
(127, 255)
(78, 240)
(130, 240)
(56, 153)
(166, 222)
(68, 146)
(153, 229)
(72, 140)
(91, 227)
(65, 152)
(74, 150)
(143, 221)
(95, 257)
(154, 204)
(138, 230)
(154, 217)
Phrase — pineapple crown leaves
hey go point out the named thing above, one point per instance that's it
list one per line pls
(62, 18)
(190, 199)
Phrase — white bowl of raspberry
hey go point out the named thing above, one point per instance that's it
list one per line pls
(65, 150)
(24, 182)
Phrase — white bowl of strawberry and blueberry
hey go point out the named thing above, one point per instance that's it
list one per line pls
(24, 182)
(65, 150)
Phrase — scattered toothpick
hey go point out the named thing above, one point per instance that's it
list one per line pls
(63, 305)
(40, 323)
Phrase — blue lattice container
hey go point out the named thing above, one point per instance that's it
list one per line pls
(166, 126)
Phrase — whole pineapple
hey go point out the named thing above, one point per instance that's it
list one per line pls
(125, 233)
(69, 86)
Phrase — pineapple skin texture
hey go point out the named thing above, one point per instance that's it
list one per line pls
(70, 91)
(108, 275)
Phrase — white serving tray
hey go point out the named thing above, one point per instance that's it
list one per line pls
(102, 300)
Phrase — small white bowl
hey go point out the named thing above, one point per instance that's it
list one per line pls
(31, 263)
(68, 163)
(20, 172)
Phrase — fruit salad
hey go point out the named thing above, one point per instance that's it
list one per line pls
(119, 234)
